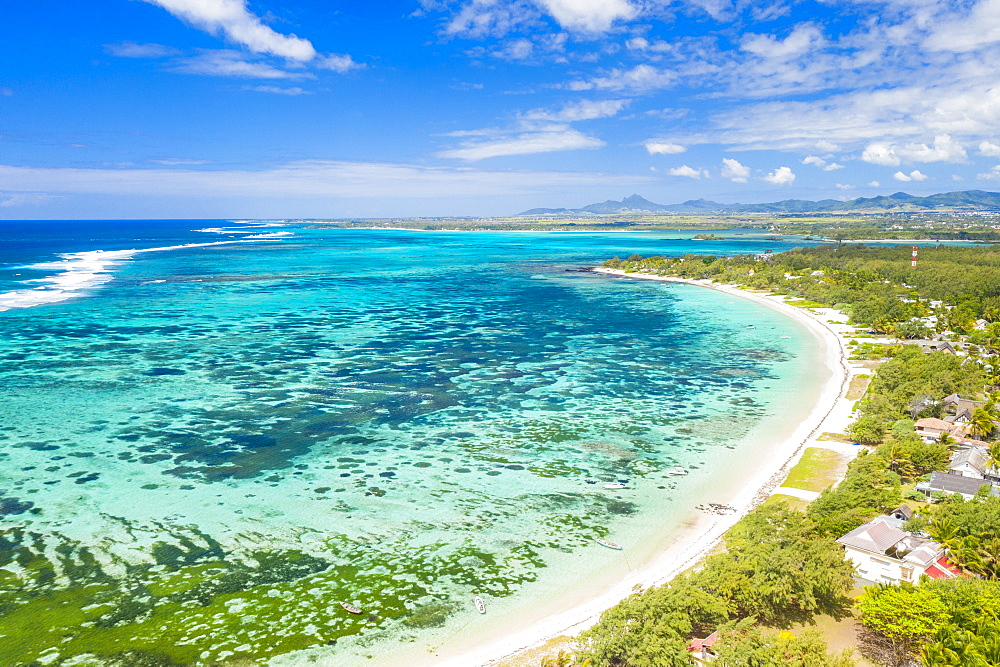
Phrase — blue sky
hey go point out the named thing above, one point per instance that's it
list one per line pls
(302, 108)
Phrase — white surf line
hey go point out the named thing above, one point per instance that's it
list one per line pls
(79, 271)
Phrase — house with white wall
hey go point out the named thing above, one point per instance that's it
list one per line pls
(883, 553)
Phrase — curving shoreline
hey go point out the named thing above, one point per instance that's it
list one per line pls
(702, 532)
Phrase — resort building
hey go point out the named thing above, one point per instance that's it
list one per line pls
(883, 553)
(970, 462)
(951, 482)
(701, 649)
(930, 429)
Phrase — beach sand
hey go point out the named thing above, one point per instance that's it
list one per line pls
(701, 532)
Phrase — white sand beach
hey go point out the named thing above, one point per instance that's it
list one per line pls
(830, 413)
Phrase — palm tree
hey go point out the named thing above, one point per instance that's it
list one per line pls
(946, 440)
(993, 456)
(943, 530)
(982, 420)
(979, 555)
(939, 655)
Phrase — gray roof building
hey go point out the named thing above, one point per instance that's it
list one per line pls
(876, 536)
(952, 483)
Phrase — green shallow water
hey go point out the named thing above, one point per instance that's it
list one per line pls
(203, 457)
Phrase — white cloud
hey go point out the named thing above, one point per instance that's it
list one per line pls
(588, 15)
(821, 163)
(518, 49)
(874, 184)
(781, 176)
(641, 77)
(735, 171)
(663, 148)
(964, 33)
(133, 50)
(804, 38)
(881, 153)
(991, 175)
(963, 108)
(25, 199)
(844, 186)
(314, 178)
(481, 18)
(6, 92)
(688, 172)
(914, 175)
(526, 143)
(336, 62)
(945, 149)
(233, 20)
(583, 110)
(278, 90)
(989, 149)
(237, 23)
(225, 62)
(643, 44)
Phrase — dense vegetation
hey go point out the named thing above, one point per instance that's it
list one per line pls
(945, 623)
(777, 569)
(868, 283)
(780, 567)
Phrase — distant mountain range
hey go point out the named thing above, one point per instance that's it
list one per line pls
(969, 199)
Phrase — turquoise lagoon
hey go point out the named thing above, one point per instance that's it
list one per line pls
(205, 449)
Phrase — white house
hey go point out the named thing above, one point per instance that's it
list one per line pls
(969, 462)
(882, 553)
(930, 429)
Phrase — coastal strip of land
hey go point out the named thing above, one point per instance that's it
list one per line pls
(701, 533)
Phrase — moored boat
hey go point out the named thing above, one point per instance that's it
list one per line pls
(678, 470)
(480, 605)
(614, 485)
(350, 607)
(609, 544)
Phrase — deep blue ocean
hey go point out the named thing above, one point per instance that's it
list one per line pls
(213, 432)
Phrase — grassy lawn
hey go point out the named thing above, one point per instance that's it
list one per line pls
(839, 635)
(802, 303)
(793, 502)
(836, 437)
(818, 469)
(858, 387)
(532, 657)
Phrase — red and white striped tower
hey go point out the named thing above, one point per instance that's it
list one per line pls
(913, 262)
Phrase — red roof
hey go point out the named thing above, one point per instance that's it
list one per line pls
(699, 644)
(943, 569)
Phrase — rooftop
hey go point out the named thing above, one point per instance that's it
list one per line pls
(875, 536)
(942, 481)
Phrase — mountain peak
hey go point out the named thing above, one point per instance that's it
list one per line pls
(633, 204)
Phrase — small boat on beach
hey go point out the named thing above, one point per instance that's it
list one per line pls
(678, 470)
(614, 485)
(608, 544)
(480, 605)
(350, 607)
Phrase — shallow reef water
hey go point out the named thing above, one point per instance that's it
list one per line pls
(201, 457)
